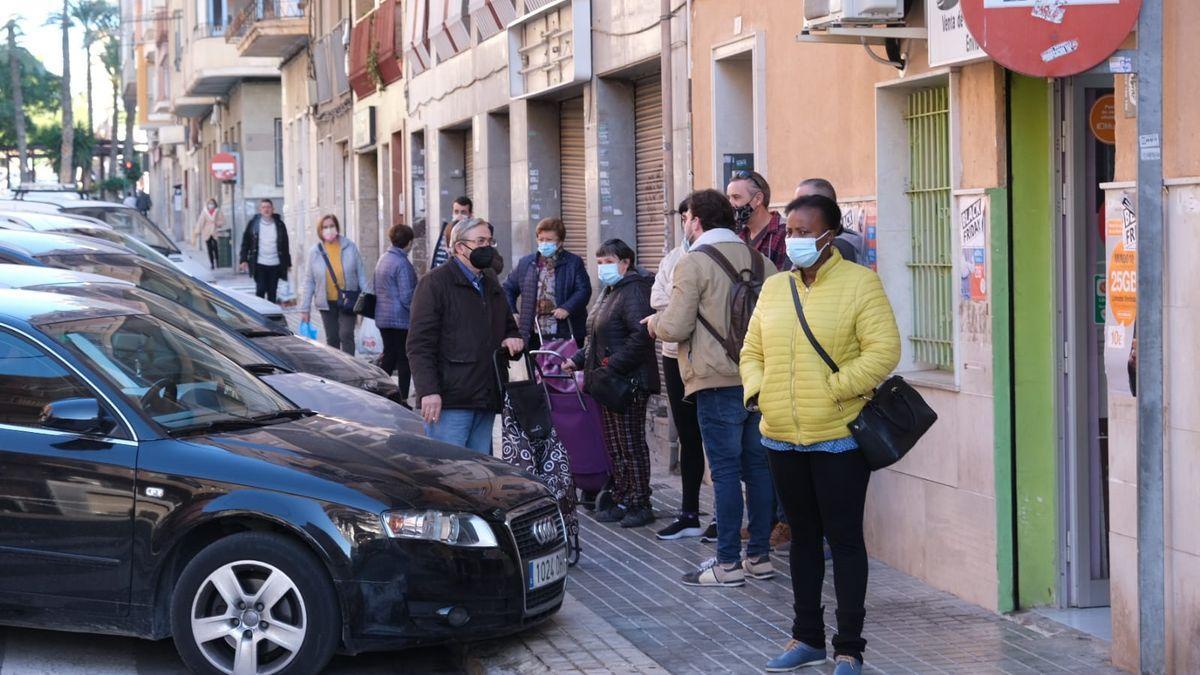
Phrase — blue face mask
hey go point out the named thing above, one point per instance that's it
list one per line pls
(547, 248)
(803, 251)
(609, 273)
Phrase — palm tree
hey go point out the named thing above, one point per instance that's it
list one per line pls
(97, 18)
(66, 170)
(111, 58)
(14, 71)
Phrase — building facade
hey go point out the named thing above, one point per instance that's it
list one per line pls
(997, 208)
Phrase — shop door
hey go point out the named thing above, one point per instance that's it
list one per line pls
(1087, 158)
(573, 176)
(648, 153)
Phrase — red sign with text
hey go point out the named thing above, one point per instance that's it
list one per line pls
(1050, 38)
(224, 166)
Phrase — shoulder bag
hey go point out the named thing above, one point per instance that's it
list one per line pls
(347, 300)
(894, 418)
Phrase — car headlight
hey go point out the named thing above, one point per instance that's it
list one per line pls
(456, 529)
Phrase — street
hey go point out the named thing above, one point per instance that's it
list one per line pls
(625, 612)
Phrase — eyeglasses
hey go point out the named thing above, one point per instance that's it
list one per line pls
(480, 241)
(751, 176)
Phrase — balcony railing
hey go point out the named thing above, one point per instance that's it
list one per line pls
(262, 10)
(207, 30)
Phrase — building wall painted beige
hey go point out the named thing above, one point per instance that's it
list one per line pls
(252, 109)
(934, 514)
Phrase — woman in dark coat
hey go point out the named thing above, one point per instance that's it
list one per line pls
(619, 348)
(551, 286)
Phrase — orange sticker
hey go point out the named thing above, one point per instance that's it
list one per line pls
(1103, 119)
(1122, 285)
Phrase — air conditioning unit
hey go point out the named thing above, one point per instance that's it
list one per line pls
(824, 13)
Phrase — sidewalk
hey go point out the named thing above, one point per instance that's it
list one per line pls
(626, 587)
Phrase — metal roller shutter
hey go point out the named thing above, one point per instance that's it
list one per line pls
(648, 154)
(469, 163)
(572, 175)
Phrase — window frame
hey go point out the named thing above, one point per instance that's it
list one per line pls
(123, 432)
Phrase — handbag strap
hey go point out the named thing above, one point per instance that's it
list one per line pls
(808, 331)
(329, 268)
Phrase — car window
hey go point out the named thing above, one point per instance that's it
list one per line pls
(30, 379)
(132, 223)
(174, 378)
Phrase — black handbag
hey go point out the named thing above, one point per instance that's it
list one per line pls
(611, 389)
(347, 300)
(892, 421)
(365, 305)
(528, 399)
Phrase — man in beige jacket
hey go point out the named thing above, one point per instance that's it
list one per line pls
(735, 452)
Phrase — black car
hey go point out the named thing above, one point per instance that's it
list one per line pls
(153, 488)
(273, 341)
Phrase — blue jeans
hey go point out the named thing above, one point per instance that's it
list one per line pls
(471, 429)
(736, 455)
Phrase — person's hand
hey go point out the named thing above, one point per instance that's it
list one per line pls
(648, 322)
(244, 267)
(568, 367)
(431, 408)
(561, 314)
(304, 317)
(514, 346)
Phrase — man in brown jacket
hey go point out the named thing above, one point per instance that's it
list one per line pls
(459, 320)
(701, 288)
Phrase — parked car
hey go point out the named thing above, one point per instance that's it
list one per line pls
(287, 350)
(49, 191)
(122, 218)
(325, 396)
(91, 227)
(153, 488)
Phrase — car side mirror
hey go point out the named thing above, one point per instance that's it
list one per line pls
(77, 415)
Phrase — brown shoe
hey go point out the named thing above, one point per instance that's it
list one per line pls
(781, 536)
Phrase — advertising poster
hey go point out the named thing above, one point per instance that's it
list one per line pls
(972, 225)
(859, 217)
(1120, 282)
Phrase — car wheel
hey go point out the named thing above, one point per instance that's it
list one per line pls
(255, 603)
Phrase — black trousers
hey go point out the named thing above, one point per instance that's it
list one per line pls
(395, 357)
(691, 448)
(339, 329)
(266, 281)
(824, 494)
(211, 245)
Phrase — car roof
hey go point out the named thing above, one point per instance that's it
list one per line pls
(43, 222)
(29, 205)
(25, 276)
(40, 307)
(36, 244)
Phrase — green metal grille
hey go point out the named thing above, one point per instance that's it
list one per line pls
(931, 265)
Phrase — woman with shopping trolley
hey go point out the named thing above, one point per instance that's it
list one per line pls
(620, 373)
(549, 290)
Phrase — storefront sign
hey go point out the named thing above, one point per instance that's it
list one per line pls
(972, 225)
(224, 166)
(364, 127)
(1103, 119)
(950, 42)
(1120, 282)
(1050, 38)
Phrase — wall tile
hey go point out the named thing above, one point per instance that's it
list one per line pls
(960, 549)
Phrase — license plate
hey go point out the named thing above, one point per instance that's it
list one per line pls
(547, 569)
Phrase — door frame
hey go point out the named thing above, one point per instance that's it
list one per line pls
(1076, 587)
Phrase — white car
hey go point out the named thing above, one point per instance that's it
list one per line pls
(121, 218)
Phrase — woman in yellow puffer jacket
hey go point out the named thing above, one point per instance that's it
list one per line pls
(819, 473)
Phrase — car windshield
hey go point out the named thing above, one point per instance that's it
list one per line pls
(133, 223)
(128, 241)
(163, 281)
(177, 380)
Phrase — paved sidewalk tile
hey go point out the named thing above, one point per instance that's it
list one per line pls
(631, 580)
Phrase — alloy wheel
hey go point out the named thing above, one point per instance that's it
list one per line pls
(248, 618)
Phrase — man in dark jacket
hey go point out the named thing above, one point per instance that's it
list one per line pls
(459, 320)
(265, 251)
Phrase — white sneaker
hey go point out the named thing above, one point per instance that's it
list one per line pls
(713, 573)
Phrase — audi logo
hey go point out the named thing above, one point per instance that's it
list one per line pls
(545, 530)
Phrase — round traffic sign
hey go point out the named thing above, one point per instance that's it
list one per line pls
(224, 166)
(1050, 38)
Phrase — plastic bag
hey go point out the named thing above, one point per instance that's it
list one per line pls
(308, 330)
(368, 338)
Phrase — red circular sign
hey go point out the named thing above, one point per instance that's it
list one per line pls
(224, 166)
(1050, 38)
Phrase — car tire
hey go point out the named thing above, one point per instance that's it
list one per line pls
(292, 631)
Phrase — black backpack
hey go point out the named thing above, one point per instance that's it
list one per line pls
(747, 284)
